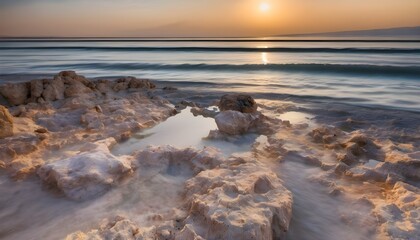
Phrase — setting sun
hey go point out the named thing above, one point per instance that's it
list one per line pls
(264, 7)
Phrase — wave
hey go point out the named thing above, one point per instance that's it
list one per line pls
(227, 49)
(383, 70)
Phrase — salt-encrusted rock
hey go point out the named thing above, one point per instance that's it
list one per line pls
(37, 87)
(238, 102)
(120, 85)
(133, 83)
(174, 161)
(103, 85)
(326, 134)
(15, 93)
(140, 83)
(76, 88)
(242, 200)
(6, 123)
(53, 89)
(118, 229)
(359, 147)
(234, 122)
(87, 174)
(233, 198)
(70, 74)
(91, 120)
(399, 216)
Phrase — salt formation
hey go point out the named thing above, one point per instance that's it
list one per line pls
(65, 85)
(15, 93)
(235, 198)
(238, 115)
(71, 110)
(234, 122)
(63, 129)
(377, 161)
(6, 123)
(86, 175)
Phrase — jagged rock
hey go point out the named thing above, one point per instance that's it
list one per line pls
(76, 88)
(141, 83)
(325, 134)
(103, 85)
(70, 74)
(133, 83)
(233, 198)
(399, 215)
(173, 161)
(92, 120)
(234, 122)
(37, 87)
(15, 93)
(87, 174)
(359, 147)
(117, 229)
(121, 84)
(238, 102)
(53, 89)
(6, 123)
(242, 200)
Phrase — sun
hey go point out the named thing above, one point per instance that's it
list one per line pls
(264, 7)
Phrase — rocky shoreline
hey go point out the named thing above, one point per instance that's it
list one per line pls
(61, 130)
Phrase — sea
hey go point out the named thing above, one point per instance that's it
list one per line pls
(380, 73)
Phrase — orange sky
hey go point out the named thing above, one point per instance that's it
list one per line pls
(199, 18)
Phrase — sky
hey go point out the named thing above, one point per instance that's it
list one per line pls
(200, 18)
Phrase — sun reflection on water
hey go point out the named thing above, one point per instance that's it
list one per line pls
(264, 58)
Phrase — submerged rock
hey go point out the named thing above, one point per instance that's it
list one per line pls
(87, 174)
(238, 102)
(6, 123)
(207, 113)
(234, 122)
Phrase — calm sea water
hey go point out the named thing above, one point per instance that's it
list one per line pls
(381, 74)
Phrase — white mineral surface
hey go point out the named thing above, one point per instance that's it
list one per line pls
(125, 159)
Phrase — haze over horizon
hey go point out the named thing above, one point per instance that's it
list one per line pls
(206, 18)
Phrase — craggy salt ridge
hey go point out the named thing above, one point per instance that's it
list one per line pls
(313, 171)
(54, 118)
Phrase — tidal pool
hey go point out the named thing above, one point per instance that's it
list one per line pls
(184, 130)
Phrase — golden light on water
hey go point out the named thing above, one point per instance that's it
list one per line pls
(264, 58)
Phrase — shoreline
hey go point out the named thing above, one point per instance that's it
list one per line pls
(343, 149)
(218, 89)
